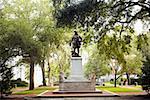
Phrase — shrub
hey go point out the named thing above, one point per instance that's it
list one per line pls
(5, 83)
(20, 83)
(146, 75)
(133, 81)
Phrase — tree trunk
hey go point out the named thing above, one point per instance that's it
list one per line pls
(128, 78)
(49, 70)
(31, 84)
(115, 83)
(43, 73)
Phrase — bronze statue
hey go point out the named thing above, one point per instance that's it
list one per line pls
(76, 44)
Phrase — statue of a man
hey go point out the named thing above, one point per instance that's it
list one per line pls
(76, 44)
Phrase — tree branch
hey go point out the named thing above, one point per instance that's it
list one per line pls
(118, 77)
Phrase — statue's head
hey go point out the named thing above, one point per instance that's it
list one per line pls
(75, 32)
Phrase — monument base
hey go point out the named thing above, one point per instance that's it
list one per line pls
(77, 86)
(76, 83)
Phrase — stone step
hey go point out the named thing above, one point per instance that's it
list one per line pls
(76, 92)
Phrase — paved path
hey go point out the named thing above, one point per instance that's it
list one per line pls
(106, 95)
(103, 94)
(94, 98)
(19, 89)
(81, 98)
(50, 94)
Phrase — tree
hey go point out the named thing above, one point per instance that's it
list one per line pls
(35, 29)
(97, 18)
(116, 46)
(51, 39)
(115, 67)
(144, 47)
(9, 49)
(22, 33)
(32, 56)
(146, 74)
(59, 63)
(133, 64)
(49, 36)
(101, 15)
(97, 65)
(6, 85)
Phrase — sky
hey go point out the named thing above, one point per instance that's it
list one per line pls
(138, 27)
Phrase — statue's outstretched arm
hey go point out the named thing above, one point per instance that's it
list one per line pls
(80, 38)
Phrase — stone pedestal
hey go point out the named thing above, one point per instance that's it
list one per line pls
(76, 81)
(76, 70)
(78, 86)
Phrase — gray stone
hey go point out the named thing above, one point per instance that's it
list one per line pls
(80, 86)
(76, 81)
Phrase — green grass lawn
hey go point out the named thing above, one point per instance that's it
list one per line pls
(109, 88)
(117, 89)
(138, 86)
(35, 91)
(108, 84)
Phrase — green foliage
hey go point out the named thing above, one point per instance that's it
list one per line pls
(28, 30)
(115, 46)
(60, 62)
(97, 64)
(134, 81)
(143, 43)
(133, 62)
(144, 46)
(19, 83)
(5, 84)
(146, 75)
(9, 49)
(102, 15)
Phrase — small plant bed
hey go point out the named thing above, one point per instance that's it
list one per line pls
(118, 89)
(35, 91)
